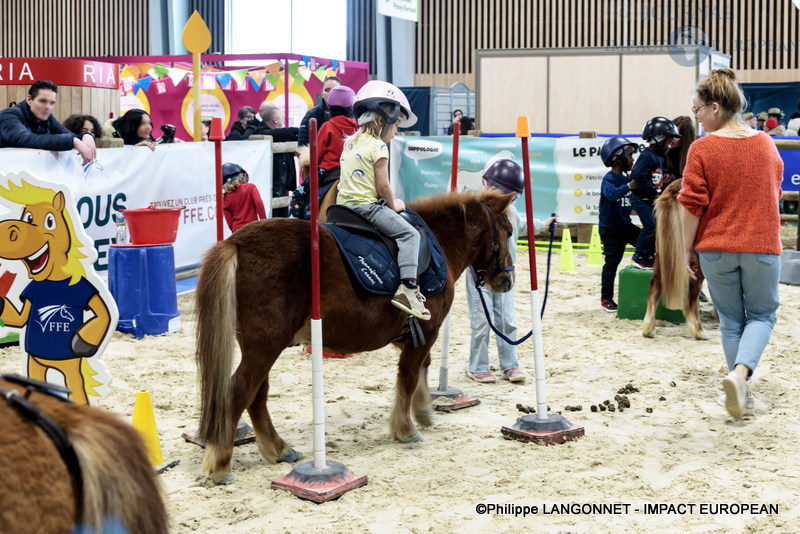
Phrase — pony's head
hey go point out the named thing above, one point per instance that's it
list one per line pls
(43, 238)
(497, 266)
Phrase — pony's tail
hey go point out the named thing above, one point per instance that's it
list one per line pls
(669, 246)
(120, 489)
(216, 330)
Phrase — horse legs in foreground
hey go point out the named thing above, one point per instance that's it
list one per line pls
(669, 270)
(253, 288)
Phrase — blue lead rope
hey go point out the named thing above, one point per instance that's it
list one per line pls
(478, 283)
(552, 229)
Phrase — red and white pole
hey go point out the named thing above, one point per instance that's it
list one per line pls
(541, 427)
(320, 480)
(316, 318)
(215, 134)
(524, 133)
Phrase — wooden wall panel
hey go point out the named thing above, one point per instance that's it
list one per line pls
(762, 36)
(580, 108)
(499, 106)
(75, 28)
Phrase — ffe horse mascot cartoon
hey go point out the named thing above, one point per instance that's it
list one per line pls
(66, 311)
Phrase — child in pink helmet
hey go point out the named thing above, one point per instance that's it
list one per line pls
(331, 136)
(380, 108)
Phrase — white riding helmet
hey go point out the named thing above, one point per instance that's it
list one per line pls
(377, 92)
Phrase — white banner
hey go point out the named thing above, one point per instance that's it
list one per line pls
(173, 175)
(401, 9)
(566, 172)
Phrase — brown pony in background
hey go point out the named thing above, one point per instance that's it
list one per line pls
(669, 270)
(254, 288)
(38, 492)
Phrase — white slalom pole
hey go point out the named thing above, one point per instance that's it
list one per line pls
(318, 389)
(445, 360)
(538, 355)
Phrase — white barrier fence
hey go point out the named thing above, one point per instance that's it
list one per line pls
(173, 175)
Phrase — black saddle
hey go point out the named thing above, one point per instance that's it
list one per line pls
(353, 222)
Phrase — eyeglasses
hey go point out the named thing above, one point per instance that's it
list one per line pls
(698, 108)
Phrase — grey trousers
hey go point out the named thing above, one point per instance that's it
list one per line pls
(390, 224)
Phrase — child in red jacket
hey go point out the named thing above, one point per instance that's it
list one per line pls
(241, 201)
(331, 136)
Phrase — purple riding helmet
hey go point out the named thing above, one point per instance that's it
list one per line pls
(505, 175)
(341, 96)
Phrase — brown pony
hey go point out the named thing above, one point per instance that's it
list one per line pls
(669, 270)
(39, 492)
(254, 288)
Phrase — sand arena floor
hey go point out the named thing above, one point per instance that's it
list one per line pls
(688, 451)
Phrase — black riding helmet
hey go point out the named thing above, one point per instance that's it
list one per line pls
(505, 175)
(658, 128)
(231, 171)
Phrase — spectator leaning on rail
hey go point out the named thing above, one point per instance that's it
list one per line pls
(321, 112)
(30, 124)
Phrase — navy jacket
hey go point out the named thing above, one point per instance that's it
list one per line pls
(320, 113)
(20, 128)
(648, 172)
(615, 202)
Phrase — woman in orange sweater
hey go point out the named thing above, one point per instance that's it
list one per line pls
(732, 228)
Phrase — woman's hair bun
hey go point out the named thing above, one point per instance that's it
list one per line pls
(727, 73)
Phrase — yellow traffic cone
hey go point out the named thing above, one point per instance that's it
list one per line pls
(145, 422)
(595, 248)
(567, 262)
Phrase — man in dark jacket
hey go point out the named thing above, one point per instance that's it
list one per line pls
(30, 124)
(246, 114)
(321, 112)
(284, 177)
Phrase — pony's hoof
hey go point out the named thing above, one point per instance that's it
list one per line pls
(224, 481)
(701, 336)
(289, 457)
(649, 335)
(425, 418)
(416, 437)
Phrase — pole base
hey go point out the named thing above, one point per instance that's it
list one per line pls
(319, 486)
(551, 431)
(243, 436)
(455, 400)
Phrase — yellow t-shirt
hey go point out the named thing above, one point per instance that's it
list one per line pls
(357, 182)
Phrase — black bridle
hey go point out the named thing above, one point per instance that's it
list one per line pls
(482, 271)
(31, 411)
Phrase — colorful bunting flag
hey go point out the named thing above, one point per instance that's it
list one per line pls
(305, 73)
(161, 70)
(224, 80)
(298, 80)
(306, 59)
(256, 84)
(273, 81)
(258, 76)
(273, 68)
(239, 76)
(293, 69)
(176, 75)
(334, 64)
(320, 73)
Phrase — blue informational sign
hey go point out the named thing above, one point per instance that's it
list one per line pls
(791, 169)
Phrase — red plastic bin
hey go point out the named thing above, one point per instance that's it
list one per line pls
(152, 226)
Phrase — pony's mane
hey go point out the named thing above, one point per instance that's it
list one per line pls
(28, 195)
(445, 201)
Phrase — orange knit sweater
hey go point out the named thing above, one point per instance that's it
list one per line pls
(733, 185)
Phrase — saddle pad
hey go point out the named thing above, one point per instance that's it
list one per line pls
(374, 268)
